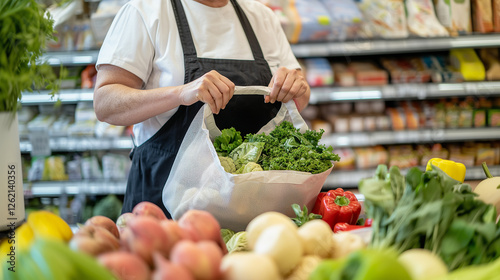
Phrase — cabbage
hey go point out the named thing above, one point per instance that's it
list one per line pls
(228, 164)
(238, 242)
(226, 234)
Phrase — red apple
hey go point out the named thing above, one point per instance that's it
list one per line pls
(146, 208)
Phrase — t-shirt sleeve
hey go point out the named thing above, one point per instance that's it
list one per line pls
(128, 43)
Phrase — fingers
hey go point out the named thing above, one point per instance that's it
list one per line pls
(287, 84)
(215, 90)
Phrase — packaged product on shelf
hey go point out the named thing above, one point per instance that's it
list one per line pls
(61, 125)
(491, 62)
(35, 172)
(485, 154)
(343, 76)
(370, 157)
(84, 36)
(496, 15)
(383, 18)
(359, 73)
(90, 168)
(467, 62)
(402, 156)
(406, 70)
(115, 166)
(318, 72)
(461, 16)
(436, 151)
(382, 122)
(443, 14)
(346, 19)
(440, 115)
(439, 66)
(452, 113)
(397, 117)
(101, 20)
(41, 122)
(356, 123)
(347, 159)
(340, 123)
(64, 16)
(412, 117)
(85, 120)
(54, 169)
(24, 116)
(481, 106)
(494, 117)
(103, 129)
(74, 168)
(370, 123)
(482, 16)
(309, 21)
(422, 20)
(459, 154)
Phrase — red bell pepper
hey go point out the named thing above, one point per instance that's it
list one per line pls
(347, 227)
(337, 206)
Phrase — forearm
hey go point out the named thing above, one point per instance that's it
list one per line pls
(122, 105)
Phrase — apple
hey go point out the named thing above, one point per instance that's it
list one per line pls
(122, 220)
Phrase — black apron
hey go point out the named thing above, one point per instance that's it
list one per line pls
(153, 160)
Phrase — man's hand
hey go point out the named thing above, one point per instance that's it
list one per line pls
(288, 84)
(211, 88)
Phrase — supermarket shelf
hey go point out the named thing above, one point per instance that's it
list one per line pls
(320, 94)
(351, 179)
(402, 91)
(56, 188)
(392, 46)
(70, 58)
(81, 144)
(64, 96)
(359, 139)
(346, 48)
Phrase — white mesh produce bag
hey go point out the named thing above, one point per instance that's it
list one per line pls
(198, 181)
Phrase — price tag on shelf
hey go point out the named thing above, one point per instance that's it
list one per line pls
(40, 142)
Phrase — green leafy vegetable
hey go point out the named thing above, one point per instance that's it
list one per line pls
(246, 152)
(227, 141)
(286, 148)
(25, 28)
(238, 242)
(430, 210)
(226, 234)
(302, 215)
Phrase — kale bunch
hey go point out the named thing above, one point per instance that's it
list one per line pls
(286, 148)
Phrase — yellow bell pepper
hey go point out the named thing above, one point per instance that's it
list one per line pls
(455, 170)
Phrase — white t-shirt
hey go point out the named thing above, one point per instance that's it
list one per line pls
(144, 40)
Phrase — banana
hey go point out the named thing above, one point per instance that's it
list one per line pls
(48, 225)
(52, 261)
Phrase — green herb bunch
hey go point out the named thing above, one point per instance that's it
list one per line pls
(25, 29)
(433, 211)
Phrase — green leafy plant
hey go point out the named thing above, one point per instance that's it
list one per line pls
(25, 29)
